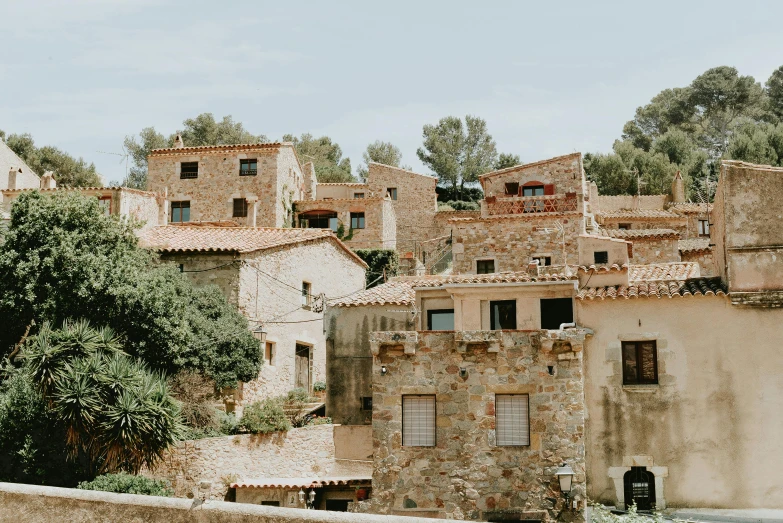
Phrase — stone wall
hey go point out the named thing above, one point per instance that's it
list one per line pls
(442, 219)
(34, 504)
(210, 268)
(337, 191)
(565, 172)
(279, 181)
(380, 231)
(634, 221)
(704, 259)
(466, 475)
(655, 250)
(608, 203)
(302, 452)
(144, 206)
(511, 241)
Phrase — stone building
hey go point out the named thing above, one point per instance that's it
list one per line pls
(279, 279)
(14, 172)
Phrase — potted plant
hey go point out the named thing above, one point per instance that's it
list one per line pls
(319, 388)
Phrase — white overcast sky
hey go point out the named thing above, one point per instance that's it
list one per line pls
(550, 78)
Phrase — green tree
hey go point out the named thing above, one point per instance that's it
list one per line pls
(201, 130)
(63, 258)
(385, 153)
(327, 157)
(458, 154)
(762, 143)
(774, 91)
(506, 160)
(68, 171)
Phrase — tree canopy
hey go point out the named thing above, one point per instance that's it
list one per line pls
(327, 157)
(61, 258)
(458, 153)
(506, 160)
(68, 171)
(379, 152)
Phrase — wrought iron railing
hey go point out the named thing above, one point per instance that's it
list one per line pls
(532, 204)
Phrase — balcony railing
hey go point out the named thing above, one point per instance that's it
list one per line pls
(532, 204)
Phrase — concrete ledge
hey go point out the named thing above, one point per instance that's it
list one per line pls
(34, 504)
(729, 515)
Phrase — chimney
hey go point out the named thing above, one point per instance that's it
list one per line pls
(12, 174)
(678, 189)
(178, 143)
(48, 181)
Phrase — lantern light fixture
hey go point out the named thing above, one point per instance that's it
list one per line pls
(565, 475)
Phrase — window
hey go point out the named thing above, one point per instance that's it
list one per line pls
(639, 487)
(601, 257)
(188, 170)
(440, 320)
(270, 503)
(240, 208)
(248, 167)
(533, 190)
(624, 226)
(543, 261)
(358, 195)
(391, 192)
(704, 227)
(555, 312)
(319, 220)
(269, 353)
(105, 203)
(418, 421)
(306, 296)
(366, 402)
(640, 362)
(512, 189)
(180, 212)
(357, 220)
(503, 315)
(485, 266)
(512, 420)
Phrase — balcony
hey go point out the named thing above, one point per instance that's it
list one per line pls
(555, 204)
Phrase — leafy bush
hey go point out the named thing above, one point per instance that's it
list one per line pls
(319, 386)
(197, 395)
(468, 194)
(380, 261)
(128, 484)
(320, 420)
(463, 206)
(228, 423)
(295, 407)
(264, 416)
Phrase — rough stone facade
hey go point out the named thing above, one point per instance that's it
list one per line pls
(380, 226)
(467, 475)
(655, 250)
(270, 193)
(564, 172)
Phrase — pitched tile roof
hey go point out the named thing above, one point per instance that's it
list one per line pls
(603, 268)
(641, 234)
(640, 214)
(663, 271)
(217, 148)
(653, 289)
(400, 290)
(180, 238)
(694, 245)
(527, 165)
(688, 207)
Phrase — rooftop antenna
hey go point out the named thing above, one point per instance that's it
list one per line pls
(560, 233)
(124, 158)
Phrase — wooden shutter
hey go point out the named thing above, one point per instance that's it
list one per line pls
(549, 189)
(512, 420)
(418, 421)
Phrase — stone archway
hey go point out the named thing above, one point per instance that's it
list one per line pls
(617, 474)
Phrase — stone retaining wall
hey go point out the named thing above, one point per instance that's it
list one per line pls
(34, 504)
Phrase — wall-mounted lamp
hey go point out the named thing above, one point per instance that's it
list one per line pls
(384, 370)
(301, 496)
(260, 333)
(550, 370)
(311, 498)
(565, 475)
(463, 372)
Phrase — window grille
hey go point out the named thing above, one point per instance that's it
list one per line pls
(248, 167)
(418, 421)
(512, 420)
(188, 170)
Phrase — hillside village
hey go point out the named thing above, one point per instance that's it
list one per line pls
(556, 346)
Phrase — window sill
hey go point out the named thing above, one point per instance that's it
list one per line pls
(641, 388)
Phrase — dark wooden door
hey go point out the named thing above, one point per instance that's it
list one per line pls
(302, 366)
(639, 488)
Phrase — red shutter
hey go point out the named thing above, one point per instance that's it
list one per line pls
(549, 189)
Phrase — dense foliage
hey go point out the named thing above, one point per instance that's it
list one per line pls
(63, 258)
(721, 114)
(381, 262)
(385, 153)
(458, 206)
(263, 417)
(326, 155)
(68, 171)
(468, 194)
(128, 484)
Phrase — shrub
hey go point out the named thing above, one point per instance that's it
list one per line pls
(319, 386)
(128, 484)
(319, 420)
(264, 416)
(380, 261)
(228, 423)
(463, 206)
(196, 393)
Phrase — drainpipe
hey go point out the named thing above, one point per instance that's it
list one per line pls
(564, 325)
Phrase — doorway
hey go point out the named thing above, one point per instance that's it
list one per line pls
(555, 312)
(639, 486)
(303, 362)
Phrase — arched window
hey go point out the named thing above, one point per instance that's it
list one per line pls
(639, 488)
(318, 220)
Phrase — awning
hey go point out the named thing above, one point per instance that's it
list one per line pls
(301, 482)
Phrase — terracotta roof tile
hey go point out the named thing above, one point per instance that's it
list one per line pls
(603, 268)
(641, 234)
(663, 272)
(639, 214)
(215, 148)
(527, 165)
(179, 238)
(662, 289)
(694, 245)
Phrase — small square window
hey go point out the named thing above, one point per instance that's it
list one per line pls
(418, 421)
(306, 296)
(533, 190)
(485, 266)
(180, 212)
(357, 220)
(600, 257)
(391, 192)
(512, 189)
(543, 261)
(440, 320)
(248, 167)
(358, 195)
(240, 208)
(503, 315)
(366, 402)
(512, 420)
(704, 227)
(640, 362)
(624, 226)
(188, 170)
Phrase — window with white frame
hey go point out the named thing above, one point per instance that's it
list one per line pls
(418, 420)
(512, 420)
(704, 227)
